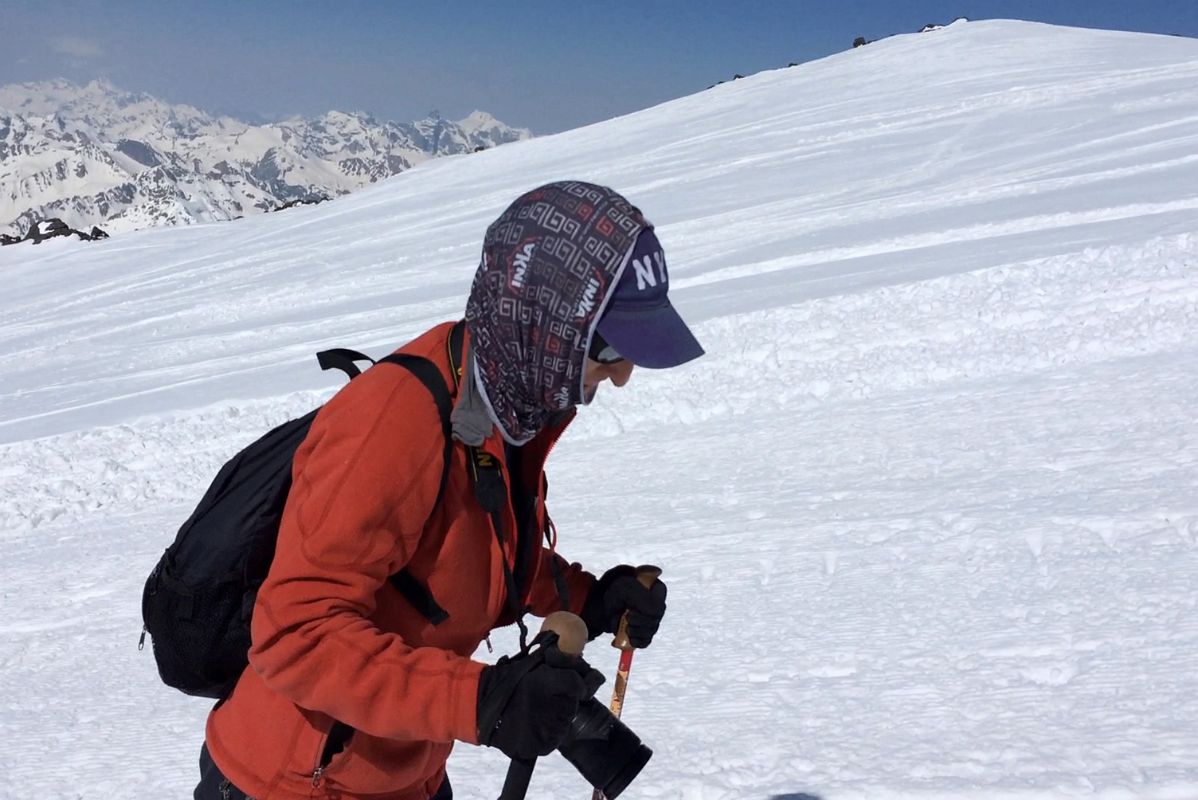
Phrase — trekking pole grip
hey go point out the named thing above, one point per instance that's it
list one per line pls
(647, 574)
(570, 629)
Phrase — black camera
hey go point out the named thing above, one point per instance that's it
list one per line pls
(604, 750)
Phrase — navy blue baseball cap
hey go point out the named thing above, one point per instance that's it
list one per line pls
(639, 322)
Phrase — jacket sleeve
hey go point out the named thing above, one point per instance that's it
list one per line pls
(364, 484)
(543, 596)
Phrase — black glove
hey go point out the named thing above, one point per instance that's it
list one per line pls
(526, 703)
(619, 591)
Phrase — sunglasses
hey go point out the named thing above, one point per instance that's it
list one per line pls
(602, 352)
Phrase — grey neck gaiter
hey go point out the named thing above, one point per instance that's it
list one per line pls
(471, 418)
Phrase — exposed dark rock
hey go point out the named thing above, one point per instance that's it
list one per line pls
(139, 152)
(397, 164)
(306, 200)
(735, 77)
(50, 229)
(860, 41)
(933, 26)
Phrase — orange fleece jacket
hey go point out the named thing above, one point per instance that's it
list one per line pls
(334, 641)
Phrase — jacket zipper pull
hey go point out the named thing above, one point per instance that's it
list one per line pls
(490, 649)
(317, 775)
(141, 643)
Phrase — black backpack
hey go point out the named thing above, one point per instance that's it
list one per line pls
(197, 601)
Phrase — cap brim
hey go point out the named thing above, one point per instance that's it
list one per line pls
(655, 338)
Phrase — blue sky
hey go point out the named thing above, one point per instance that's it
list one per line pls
(545, 65)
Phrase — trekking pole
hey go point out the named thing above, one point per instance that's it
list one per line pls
(647, 575)
(571, 638)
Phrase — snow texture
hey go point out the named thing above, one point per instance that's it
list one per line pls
(926, 509)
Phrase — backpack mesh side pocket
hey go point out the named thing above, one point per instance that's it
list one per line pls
(199, 638)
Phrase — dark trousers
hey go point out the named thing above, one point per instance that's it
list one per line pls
(215, 786)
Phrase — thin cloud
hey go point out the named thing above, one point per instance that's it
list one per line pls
(76, 47)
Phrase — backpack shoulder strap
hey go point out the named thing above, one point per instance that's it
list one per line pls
(428, 374)
(416, 593)
(342, 359)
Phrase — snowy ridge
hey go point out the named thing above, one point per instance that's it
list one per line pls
(926, 508)
(96, 155)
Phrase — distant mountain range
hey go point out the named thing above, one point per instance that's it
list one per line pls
(97, 155)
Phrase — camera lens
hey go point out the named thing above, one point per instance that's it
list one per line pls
(604, 750)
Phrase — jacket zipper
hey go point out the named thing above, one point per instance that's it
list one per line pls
(320, 765)
(338, 732)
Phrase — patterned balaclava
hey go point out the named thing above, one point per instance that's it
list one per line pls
(548, 264)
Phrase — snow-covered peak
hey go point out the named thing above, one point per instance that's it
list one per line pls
(477, 120)
(80, 153)
(102, 107)
(49, 97)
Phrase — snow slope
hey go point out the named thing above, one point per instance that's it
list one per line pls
(926, 509)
